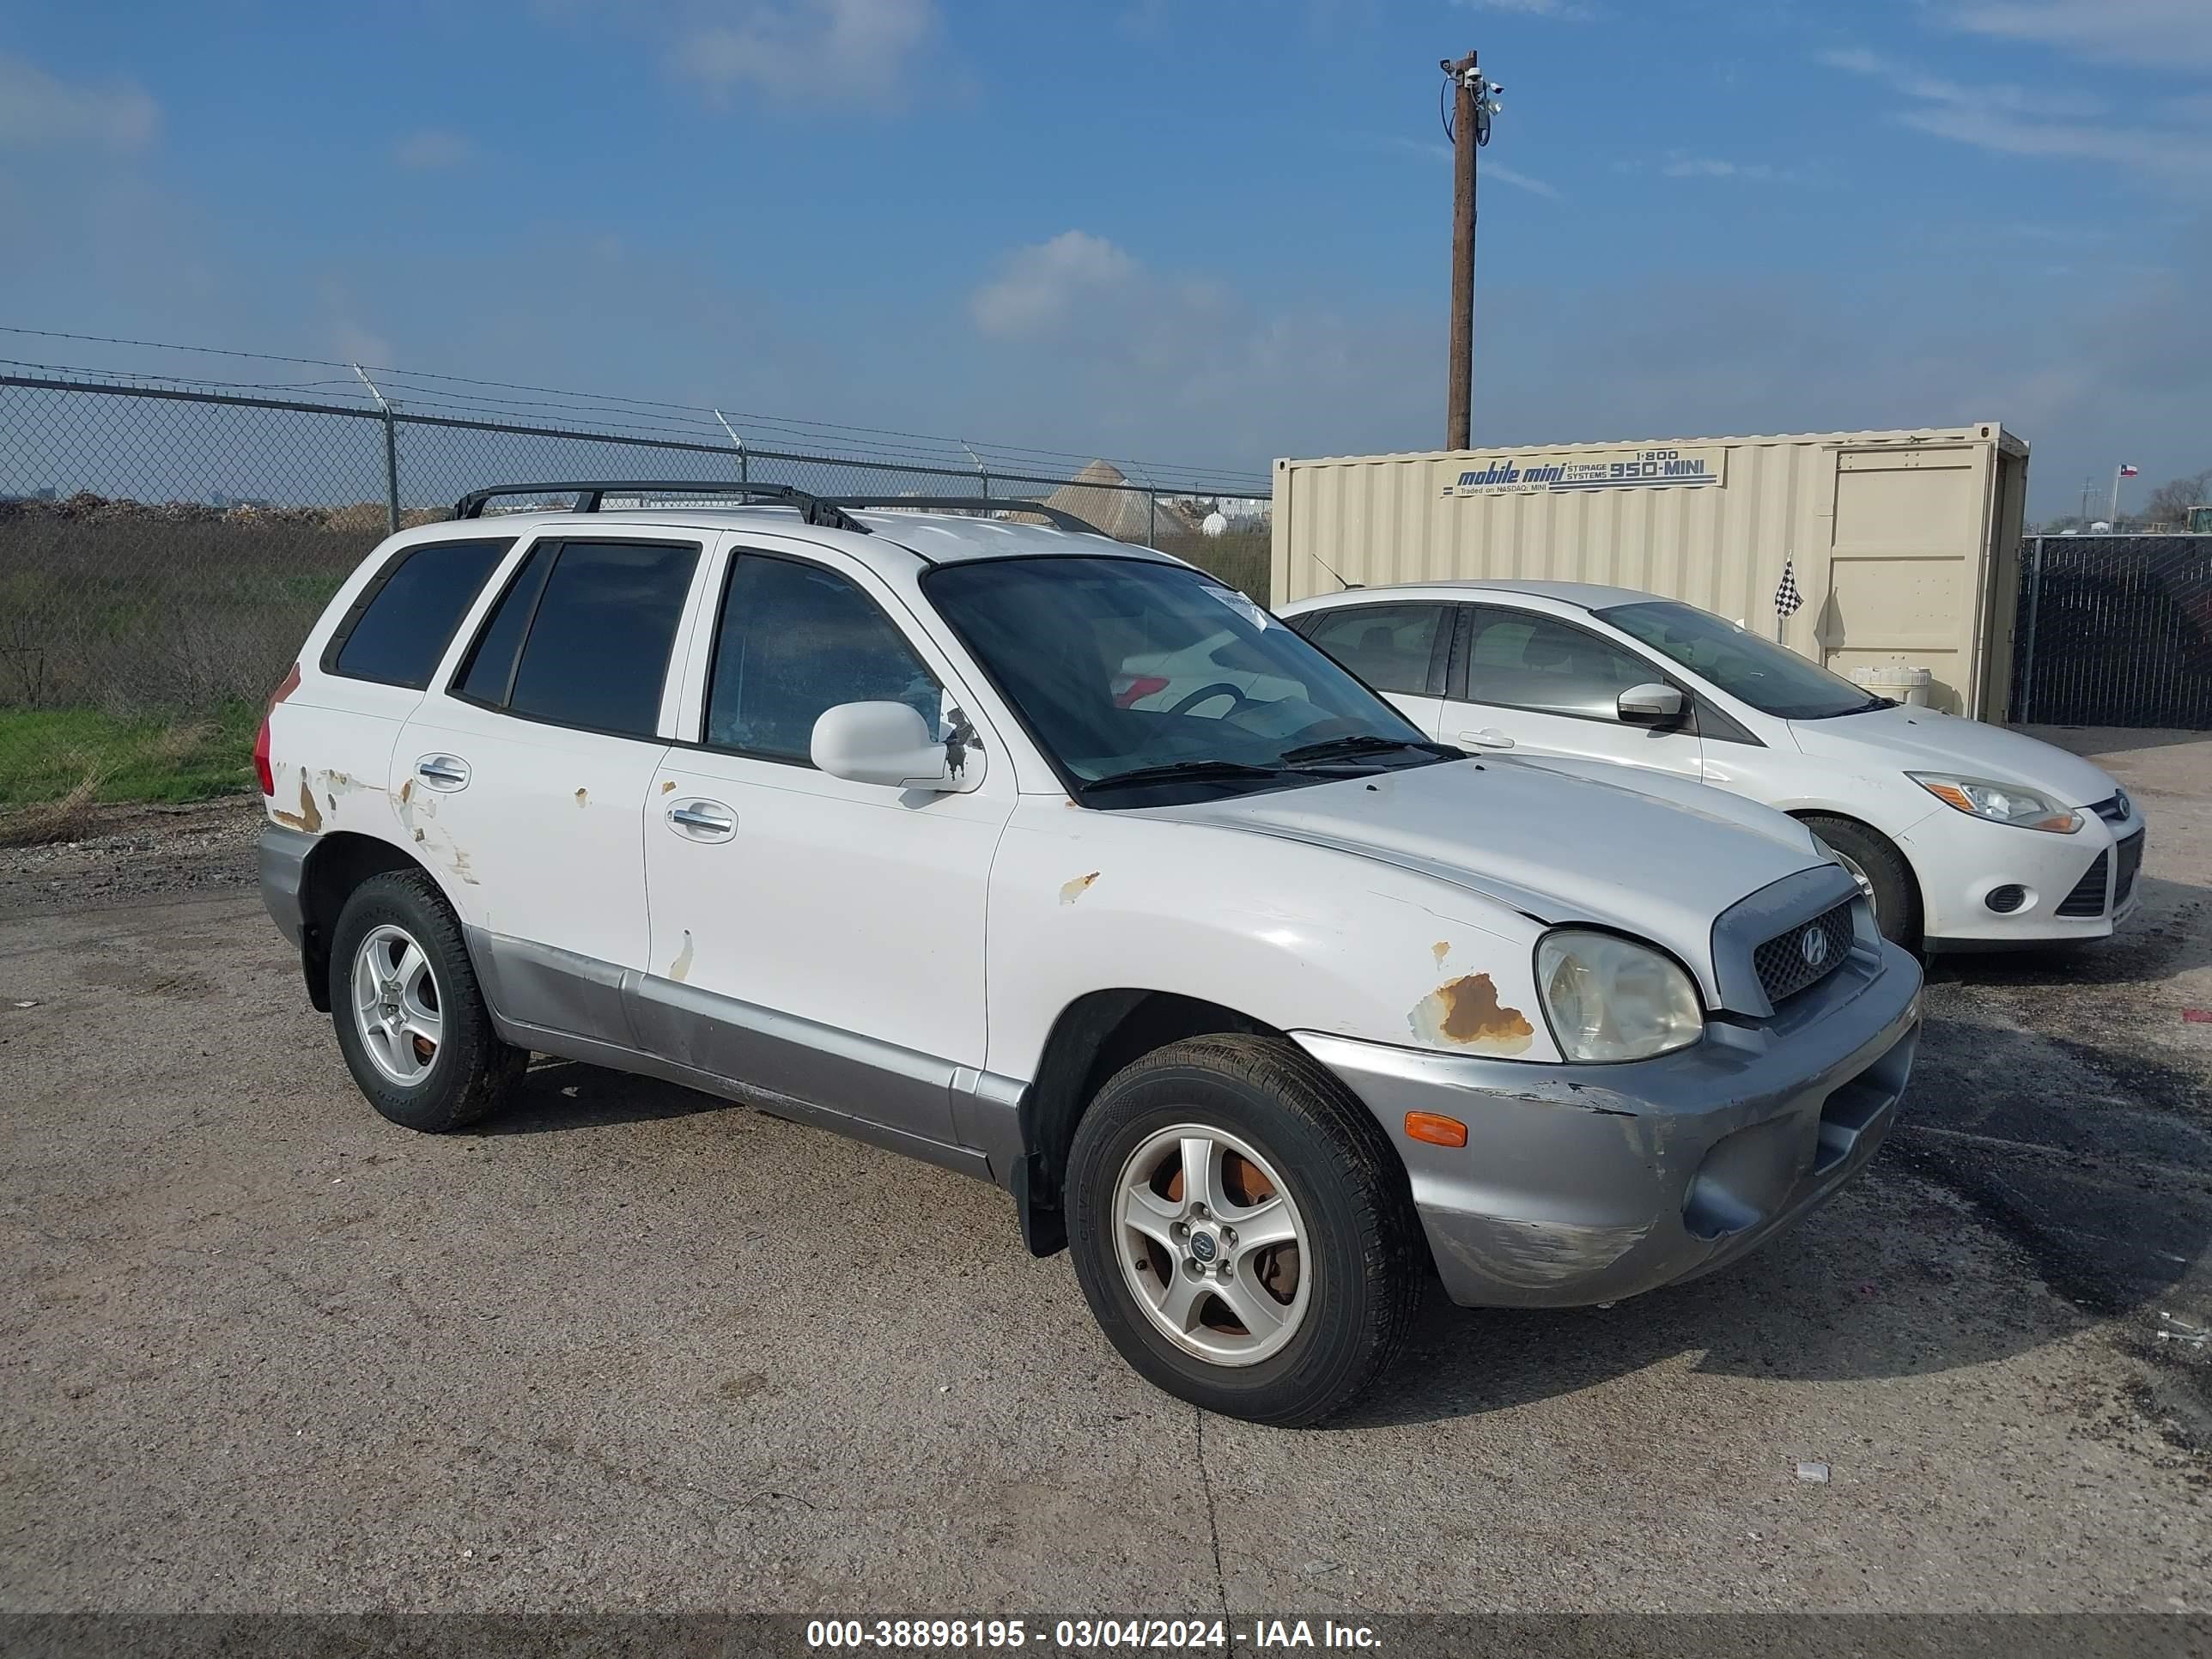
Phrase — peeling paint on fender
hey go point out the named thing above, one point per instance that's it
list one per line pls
(583, 797)
(1465, 1013)
(1075, 889)
(682, 966)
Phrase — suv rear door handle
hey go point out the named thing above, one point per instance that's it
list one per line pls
(703, 820)
(1488, 738)
(443, 771)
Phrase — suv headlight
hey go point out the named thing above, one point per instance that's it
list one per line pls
(2000, 803)
(1609, 998)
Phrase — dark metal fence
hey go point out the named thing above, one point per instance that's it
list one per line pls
(166, 546)
(2115, 630)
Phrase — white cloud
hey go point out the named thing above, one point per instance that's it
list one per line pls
(1566, 10)
(1505, 175)
(1680, 165)
(428, 148)
(812, 52)
(2167, 34)
(1040, 286)
(37, 110)
(2016, 121)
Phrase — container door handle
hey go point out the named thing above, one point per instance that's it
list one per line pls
(443, 771)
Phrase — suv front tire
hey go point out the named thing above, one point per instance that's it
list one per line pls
(1241, 1231)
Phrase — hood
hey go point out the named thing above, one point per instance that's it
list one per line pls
(1922, 740)
(1558, 847)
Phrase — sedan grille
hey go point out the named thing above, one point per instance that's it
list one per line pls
(1801, 958)
(2087, 898)
(2131, 851)
(2113, 809)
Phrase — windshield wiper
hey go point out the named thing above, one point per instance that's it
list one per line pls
(1190, 771)
(1363, 743)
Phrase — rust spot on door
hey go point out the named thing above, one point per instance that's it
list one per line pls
(310, 816)
(681, 967)
(1440, 950)
(407, 792)
(583, 797)
(1465, 1013)
(1071, 891)
(667, 785)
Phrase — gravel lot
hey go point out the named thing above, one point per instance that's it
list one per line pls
(637, 1348)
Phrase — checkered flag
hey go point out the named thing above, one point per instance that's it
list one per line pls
(1787, 598)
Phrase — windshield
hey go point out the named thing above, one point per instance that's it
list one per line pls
(1148, 683)
(1772, 680)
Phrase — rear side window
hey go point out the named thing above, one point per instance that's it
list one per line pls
(1392, 647)
(401, 624)
(595, 622)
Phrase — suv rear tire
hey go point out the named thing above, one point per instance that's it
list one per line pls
(1281, 1291)
(411, 1019)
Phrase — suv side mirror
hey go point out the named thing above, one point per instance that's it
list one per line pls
(885, 743)
(1649, 705)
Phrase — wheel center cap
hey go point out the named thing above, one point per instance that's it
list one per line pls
(1204, 1246)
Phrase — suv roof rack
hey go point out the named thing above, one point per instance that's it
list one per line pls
(590, 493)
(1058, 516)
(823, 512)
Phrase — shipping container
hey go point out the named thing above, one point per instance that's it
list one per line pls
(1905, 546)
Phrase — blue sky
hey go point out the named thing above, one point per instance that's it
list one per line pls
(1210, 233)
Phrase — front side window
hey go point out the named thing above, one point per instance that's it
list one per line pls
(595, 625)
(1391, 647)
(1771, 678)
(795, 641)
(1519, 660)
(1146, 683)
(402, 624)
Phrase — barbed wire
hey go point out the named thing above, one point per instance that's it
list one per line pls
(465, 395)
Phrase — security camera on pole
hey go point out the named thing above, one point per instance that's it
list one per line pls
(1469, 101)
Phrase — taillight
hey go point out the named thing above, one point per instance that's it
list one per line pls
(1137, 689)
(285, 688)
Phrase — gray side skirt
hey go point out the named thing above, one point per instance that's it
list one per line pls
(556, 1002)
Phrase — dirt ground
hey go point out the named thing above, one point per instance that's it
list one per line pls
(631, 1347)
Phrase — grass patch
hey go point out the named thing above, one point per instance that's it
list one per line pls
(81, 756)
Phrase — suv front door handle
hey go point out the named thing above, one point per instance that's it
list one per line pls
(703, 820)
(1488, 738)
(443, 771)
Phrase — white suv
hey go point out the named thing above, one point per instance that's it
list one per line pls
(1264, 1001)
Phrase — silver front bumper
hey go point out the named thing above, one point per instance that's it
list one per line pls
(1588, 1183)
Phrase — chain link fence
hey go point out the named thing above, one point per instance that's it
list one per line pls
(2115, 630)
(164, 548)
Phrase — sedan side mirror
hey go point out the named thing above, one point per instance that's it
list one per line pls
(887, 744)
(1649, 705)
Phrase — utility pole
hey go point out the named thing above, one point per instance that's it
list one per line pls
(1472, 101)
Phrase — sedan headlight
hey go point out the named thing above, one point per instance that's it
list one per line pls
(2000, 803)
(1611, 999)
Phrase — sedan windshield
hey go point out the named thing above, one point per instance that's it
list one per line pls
(1147, 682)
(1772, 680)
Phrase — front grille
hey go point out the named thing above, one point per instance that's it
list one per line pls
(1786, 965)
(2113, 809)
(2131, 851)
(2087, 898)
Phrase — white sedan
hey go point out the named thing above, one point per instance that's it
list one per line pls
(1967, 836)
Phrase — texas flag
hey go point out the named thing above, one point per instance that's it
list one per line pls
(2128, 471)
